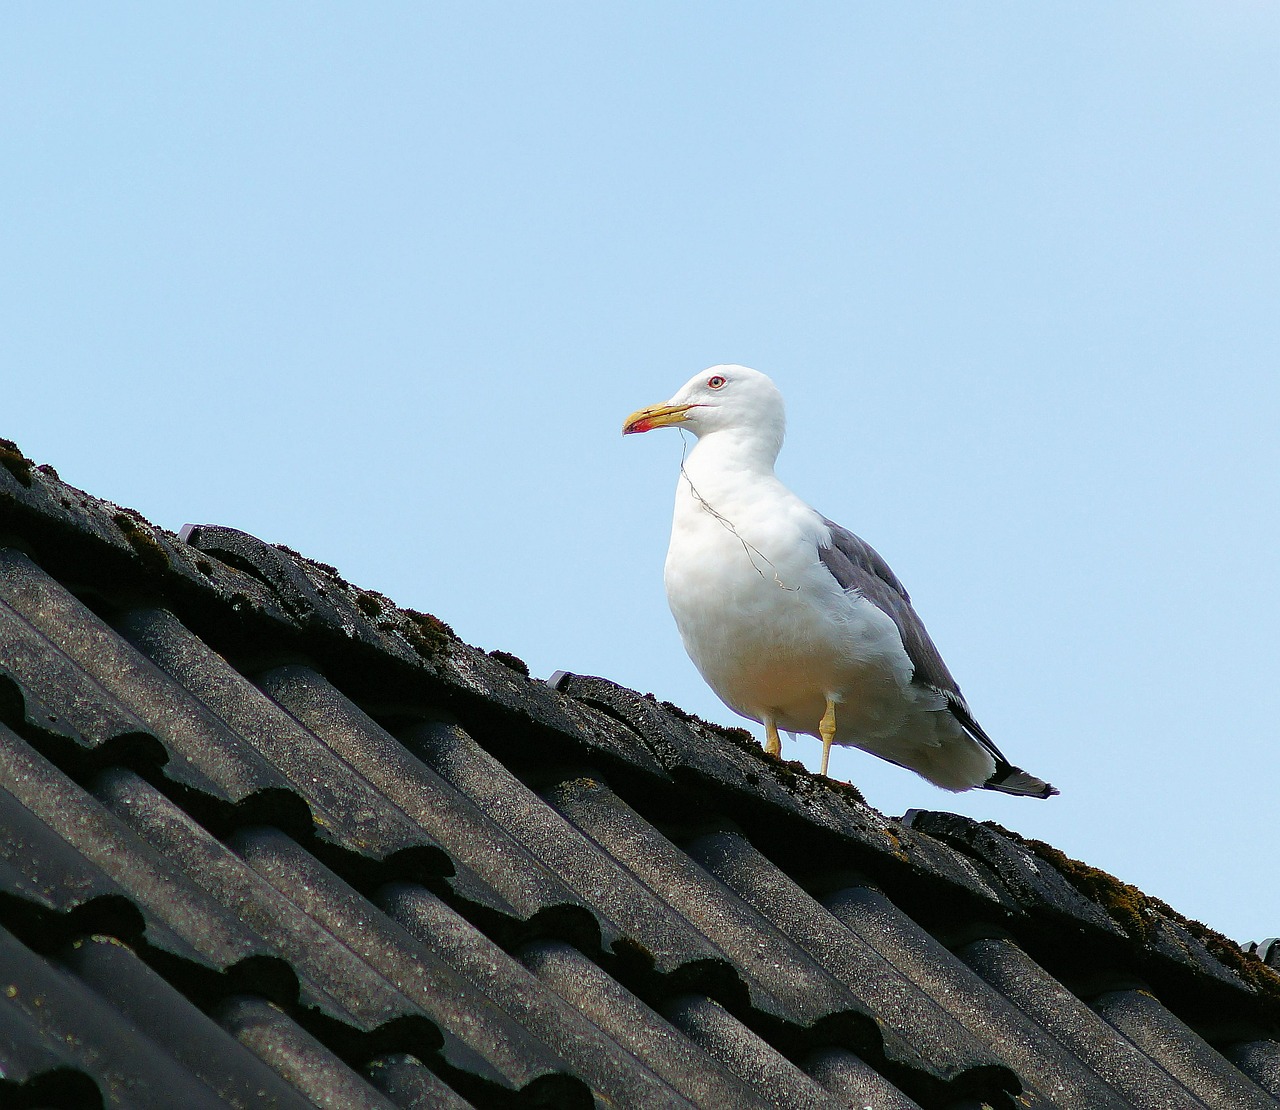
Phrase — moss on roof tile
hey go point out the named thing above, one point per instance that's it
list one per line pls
(144, 544)
(427, 634)
(15, 462)
(1140, 915)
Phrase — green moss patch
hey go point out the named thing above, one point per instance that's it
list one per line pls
(851, 793)
(153, 556)
(512, 662)
(428, 635)
(1139, 914)
(739, 736)
(15, 462)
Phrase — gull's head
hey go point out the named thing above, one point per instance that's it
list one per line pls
(720, 399)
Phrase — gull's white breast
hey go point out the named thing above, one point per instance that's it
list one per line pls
(766, 624)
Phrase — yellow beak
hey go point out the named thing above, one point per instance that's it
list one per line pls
(655, 416)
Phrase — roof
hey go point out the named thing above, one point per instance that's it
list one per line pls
(271, 840)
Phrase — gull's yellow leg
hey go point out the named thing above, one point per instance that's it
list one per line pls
(827, 728)
(772, 741)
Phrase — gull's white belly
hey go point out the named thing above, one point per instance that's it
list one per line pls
(773, 635)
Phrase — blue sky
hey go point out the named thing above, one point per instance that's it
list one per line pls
(380, 282)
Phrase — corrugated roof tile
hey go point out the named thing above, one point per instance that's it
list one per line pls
(780, 1082)
(203, 754)
(171, 1021)
(1041, 1061)
(618, 1077)
(652, 931)
(1179, 1051)
(345, 806)
(905, 1013)
(781, 798)
(853, 1082)
(638, 1029)
(1070, 1022)
(59, 698)
(239, 794)
(179, 917)
(128, 1068)
(331, 977)
(782, 981)
(411, 1085)
(1260, 1061)
(476, 843)
(479, 1036)
(321, 1077)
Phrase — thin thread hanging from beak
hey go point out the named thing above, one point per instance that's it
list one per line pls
(751, 550)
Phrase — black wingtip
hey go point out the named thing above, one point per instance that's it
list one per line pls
(1009, 779)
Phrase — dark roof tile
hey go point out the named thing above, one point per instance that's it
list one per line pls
(332, 979)
(853, 1082)
(1260, 1061)
(319, 1075)
(617, 1075)
(43, 873)
(1032, 883)
(32, 1061)
(66, 524)
(1268, 951)
(55, 696)
(411, 1085)
(1057, 892)
(800, 812)
(170, 1020)
(906, 1015)
(1070, 1022)
(506, 874)
(306, 600)
(638, 1029)
(345, 806)
(1179, 1051)
(1043, 1063)
(784, 983)
(627, 910)
(479, 1036)
(179, 917)
(775, 1078)
(389, 866)
(202, 753)
(128, 1068)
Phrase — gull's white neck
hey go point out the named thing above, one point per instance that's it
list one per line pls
(735, 526)
(727, 458)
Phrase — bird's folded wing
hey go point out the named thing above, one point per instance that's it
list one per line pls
(857, 567)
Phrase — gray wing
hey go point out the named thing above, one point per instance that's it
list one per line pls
(856, 566)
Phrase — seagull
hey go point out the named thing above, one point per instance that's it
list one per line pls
(791, 619)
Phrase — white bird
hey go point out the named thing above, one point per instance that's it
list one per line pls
(793, 621)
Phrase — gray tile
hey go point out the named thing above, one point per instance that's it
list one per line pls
(617, 1076)
(1042, 1062)
(1175, 1048)
(1077, 1028)
(128, 1068)
(710, 1026)
(300, 1060)
(700, 1078)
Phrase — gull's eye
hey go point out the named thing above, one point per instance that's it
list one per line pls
(715, 381)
